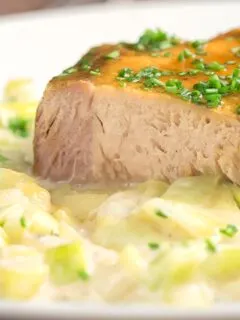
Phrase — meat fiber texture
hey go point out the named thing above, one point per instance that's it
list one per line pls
(89, 129)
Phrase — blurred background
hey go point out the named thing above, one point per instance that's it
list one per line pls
(17, 6)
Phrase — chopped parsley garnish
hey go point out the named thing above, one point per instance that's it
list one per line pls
(173, 86)
(149, 72)
(95, 72)
(3, 158)
(185, 54)
(183, 73)
(159, 213)
(230, 230)
(23, 222)
(236, 51)
(167, 54)
(85, 63)
(215, 66)
(113, 55)
(155, 40)
(153, 245)
(83, 275)
(19, 127)
(210, 246)
(199, 64)
(69, 71)
(152, 83)
(237, 110)
(198, 45)
(126, 74)
(212, 66)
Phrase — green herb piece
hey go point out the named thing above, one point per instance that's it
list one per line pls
(199, 64)
(83, 275)
(167, 54)
(153, 245)
(153, 82)
(185, 94)
(155, 40)
(236, 51)
(69, 71)
(197, 44)
(215, 66)
(126, 74)
(196, 96)
(173, 86)
(183, 73)
(85, 63)
(185, 54)
(210, 246)
(167, 73)
(23, 222)
(149, 72)
(209, 73)
(193, 72)
(230, 62)
(155, 54)
(113, 55)
(19, 127)
(159, 213)
(230, 230)
(95, 72)
(237, 110)
(3, 158)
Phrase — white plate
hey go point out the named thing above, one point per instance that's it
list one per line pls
(41, 45)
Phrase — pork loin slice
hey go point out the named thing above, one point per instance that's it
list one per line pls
(90, 129)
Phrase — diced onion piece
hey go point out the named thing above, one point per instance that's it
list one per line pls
(115, 233)
(22, 273)
(68, 263)
(189, 295)
(199, 205)
(11, 220)
(12, 196)
(162, 213)
(43, 223)
(10, 178)
(205, 194)
(175, 266)
(67, 232)
(36, 194)
(133, 261)
(223, 265)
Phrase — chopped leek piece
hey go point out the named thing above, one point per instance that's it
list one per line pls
(68, 262)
